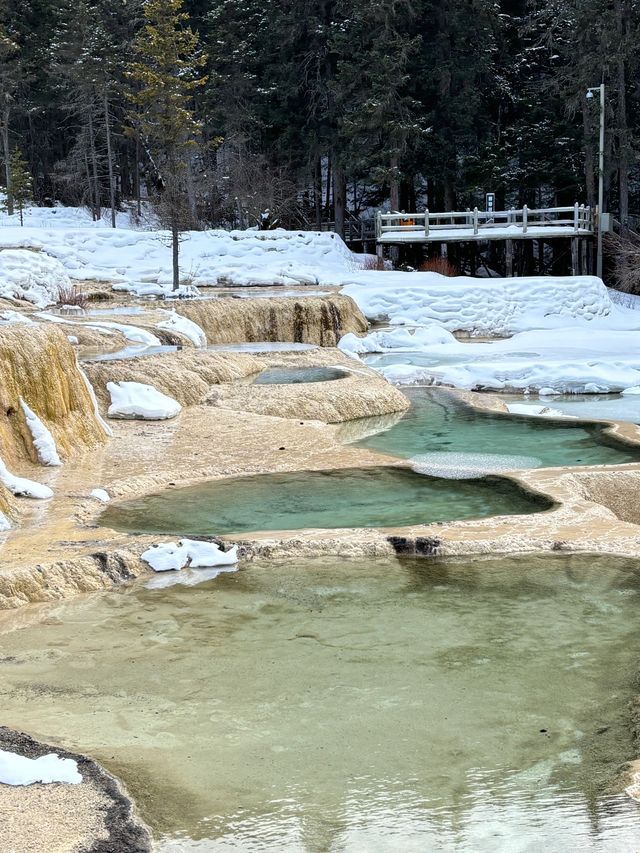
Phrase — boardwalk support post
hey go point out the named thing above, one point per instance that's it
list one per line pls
(426, 222)
(509, 258)
(576, 218)
(574, 256)
(525, 218)
(475, 220)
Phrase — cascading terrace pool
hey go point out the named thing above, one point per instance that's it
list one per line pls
(440, 423)
(464, 706)
(295, 500)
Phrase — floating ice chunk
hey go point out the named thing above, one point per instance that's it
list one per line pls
(138, 401)
(173, 556)
(19, 770)
(23, 488)
(182, 325)
(43, 441)
(467, 466)
(100, 495)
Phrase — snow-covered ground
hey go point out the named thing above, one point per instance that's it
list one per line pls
(566, 334)
(140, 261)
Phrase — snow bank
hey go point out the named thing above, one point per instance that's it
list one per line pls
(182, 325)
(135, 400)
(481, 307)
(7, 317)
(18, 770)
(43, 441)
(135, 334)
(23, 488)
(5, 524)
(140, 261)
(33, 276)
(173, 556)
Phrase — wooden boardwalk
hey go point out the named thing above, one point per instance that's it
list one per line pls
(576, 224)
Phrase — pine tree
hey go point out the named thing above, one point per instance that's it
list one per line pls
(20, 193)
(164, 77)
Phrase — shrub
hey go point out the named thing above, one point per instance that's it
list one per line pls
(439, 265)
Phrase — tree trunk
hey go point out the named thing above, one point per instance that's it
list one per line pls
(175, 251)
(137, 177)
(317, 192)
(394, 187)
(6, 153)
(339, 199)
(94, 169)
(112, 189)
(622, 13)
(329, 185)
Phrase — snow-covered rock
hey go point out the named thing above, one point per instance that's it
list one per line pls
(173, 556)
(43, 441)
(19, 770)
(531, 410)
(182, 325)
(628, 392)
(100, 495)
(138, 401)
(35, 277)
(23, 488)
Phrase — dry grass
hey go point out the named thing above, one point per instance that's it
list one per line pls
(72, 295)
(439, 265)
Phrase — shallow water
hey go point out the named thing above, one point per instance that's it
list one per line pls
(611, 407)
(458, 706)
(298, 375)
(437, 422)
(368, 497)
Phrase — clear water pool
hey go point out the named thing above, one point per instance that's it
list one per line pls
(368, 497)
(298, 375)
(454, 706)
(437, 422)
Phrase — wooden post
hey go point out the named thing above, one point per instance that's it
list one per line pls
(576, 218)
(583, 257)
(540, 257)
(475, 220)
(509, 258)
(525, 219)
(426, 222)
(574, 255)
(378, 225)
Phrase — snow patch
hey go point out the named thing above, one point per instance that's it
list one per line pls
(531, 410)
(136, 400)
(100, 495)
(173, 556)
(43, 441)
(19, 770)
(23, 488)
(182, 325)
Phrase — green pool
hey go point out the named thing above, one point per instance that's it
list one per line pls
(468, 706)
(437, 422)
(368, 497)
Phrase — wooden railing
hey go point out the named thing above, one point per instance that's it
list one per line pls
(579, 218)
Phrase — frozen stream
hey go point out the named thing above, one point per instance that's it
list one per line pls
(458, 706)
